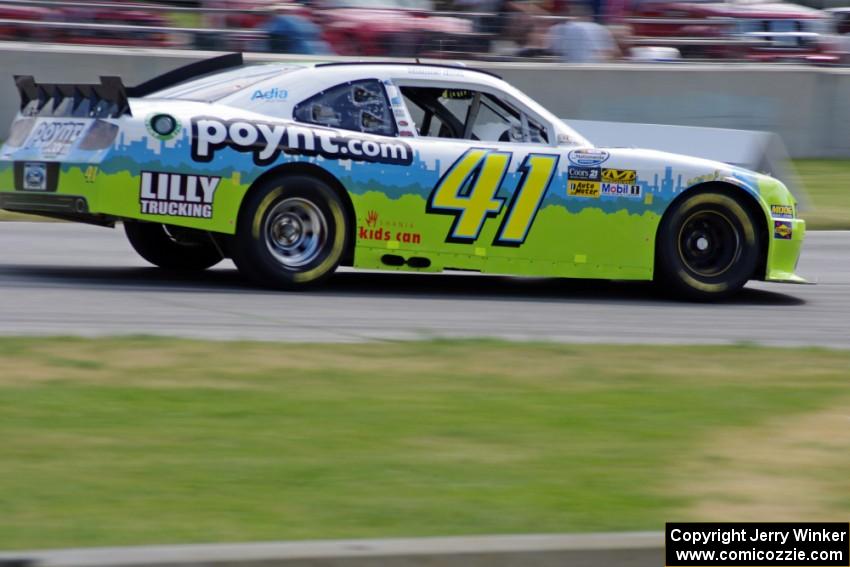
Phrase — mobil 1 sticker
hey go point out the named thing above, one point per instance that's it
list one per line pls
(584, 173)
(626, 190)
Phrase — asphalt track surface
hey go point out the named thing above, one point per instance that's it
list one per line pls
(68, 279)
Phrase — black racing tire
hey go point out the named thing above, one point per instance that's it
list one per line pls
(172, 248)
(708, 247)
(292, 232)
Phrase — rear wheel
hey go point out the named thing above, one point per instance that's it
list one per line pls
(172, 248)
(291, 232)
(708, 247)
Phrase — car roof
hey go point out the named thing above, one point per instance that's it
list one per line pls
(352, 70)
(224, 83)
(401, 63)
(310, 78)
(237, 85)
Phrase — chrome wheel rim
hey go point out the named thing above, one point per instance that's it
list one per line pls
(295, 232)
(709, 243)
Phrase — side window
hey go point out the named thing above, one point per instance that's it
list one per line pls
(469, 115)
(427, 122)
(492, 125)
(361, 106)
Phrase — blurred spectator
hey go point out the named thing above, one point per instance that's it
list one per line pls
(613, 11)
(294, 34)
(528, 25)
(581, 40)
(622, 34)
(489, 21)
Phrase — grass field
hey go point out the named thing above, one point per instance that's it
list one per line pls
(141, 440)
(828, 186)
(827, 182)
(10, 216)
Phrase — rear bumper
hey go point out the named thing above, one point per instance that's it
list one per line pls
(784, 253)
(67, 201)
(83, 192)
(64, 207)
(22, 202)
(60, 187)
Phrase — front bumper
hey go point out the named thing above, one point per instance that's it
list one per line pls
(784, 253)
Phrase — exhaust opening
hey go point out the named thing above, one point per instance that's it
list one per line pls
(392, 260)
(417, 262)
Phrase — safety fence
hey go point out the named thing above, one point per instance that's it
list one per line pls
(334, 29)
(808, 107)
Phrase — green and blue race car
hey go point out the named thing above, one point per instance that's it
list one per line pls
(294, 170)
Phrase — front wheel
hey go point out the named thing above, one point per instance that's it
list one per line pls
(291, 232)
(707, 247)
(172, 248)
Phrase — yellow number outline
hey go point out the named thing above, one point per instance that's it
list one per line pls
(469, 191)
(538, 170)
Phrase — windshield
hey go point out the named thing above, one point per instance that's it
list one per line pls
(564, 134)
(211, 88)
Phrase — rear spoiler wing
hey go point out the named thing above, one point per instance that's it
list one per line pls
(106, 100)
(109, 99)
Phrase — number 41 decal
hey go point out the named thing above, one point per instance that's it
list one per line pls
(468, 191)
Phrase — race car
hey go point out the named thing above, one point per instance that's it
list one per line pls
(294, 170)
